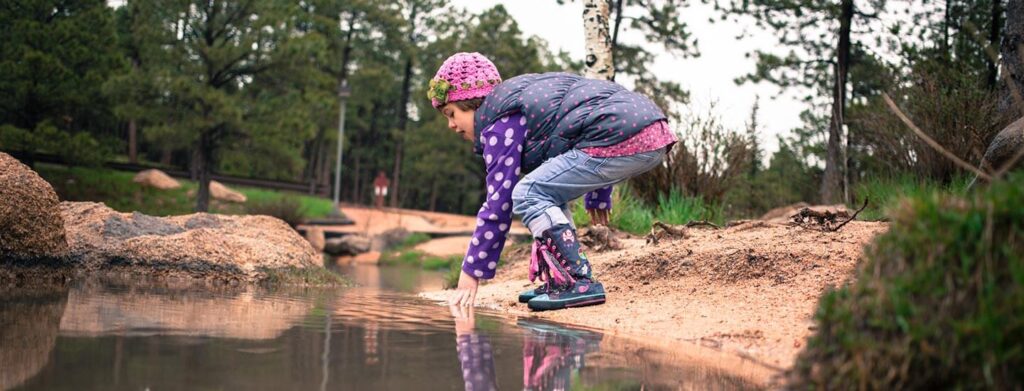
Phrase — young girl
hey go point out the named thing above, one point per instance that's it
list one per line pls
(571, 137)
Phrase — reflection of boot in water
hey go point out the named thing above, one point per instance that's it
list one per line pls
(551, 353)
(477, 361)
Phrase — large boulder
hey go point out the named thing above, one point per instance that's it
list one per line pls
(221, 192)
(156, 178)
(1004, 146)
(202, 245)
(31, 227)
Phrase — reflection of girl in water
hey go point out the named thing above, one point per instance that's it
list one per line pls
(475, 351)
(550, 353)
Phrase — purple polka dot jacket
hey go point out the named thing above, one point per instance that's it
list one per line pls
(565, 111)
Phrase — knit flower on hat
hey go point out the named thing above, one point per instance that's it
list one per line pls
(438, 89)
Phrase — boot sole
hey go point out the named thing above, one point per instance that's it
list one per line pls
(581, 301)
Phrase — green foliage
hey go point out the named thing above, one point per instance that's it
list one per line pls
(418, 259)
(630, 214)
(886, 194)
(414, 239)
(937, 303)
(53, 61)
(579, 214)
(116, 190)
(287, 208)
(451, 276)
(675, 208)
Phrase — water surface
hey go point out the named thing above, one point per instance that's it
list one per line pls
(118, 335)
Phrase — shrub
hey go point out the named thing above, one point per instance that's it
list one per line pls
(938, 302)
(885, 193)
(286, 208)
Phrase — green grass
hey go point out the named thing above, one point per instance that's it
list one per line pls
(116, 189)
(675, 208)
(413, 240)
(632, 215)
(938, 301)
(884, 193)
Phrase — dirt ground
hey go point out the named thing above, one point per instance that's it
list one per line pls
(748, 291)
(373, 221)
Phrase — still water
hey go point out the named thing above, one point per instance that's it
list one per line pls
(120, 335)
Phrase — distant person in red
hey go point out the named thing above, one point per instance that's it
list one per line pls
(380, 189)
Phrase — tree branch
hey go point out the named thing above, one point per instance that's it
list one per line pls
(928, 140)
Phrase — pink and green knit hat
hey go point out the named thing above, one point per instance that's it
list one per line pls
(463, 76)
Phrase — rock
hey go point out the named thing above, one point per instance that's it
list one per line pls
(30, 222)
(199, 245)
(783, 212)
(347, 245)
(156, 178)
(221, 192)
(315, 237)
(1002, 148)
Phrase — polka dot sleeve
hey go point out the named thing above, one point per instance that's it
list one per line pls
(599, 199)
(503, 150)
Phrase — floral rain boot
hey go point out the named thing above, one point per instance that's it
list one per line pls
(566, 271)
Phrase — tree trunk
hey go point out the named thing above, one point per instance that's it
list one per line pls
(133, 156)
(313, 148)
(133, 131)
(995, 25)
(403, 112)
(324, 177)
(165, 156)
(202, 164)
(433, 195)
(1011, 52)
(598, 64)
(355, 181)
(316, 160)
(832, 183)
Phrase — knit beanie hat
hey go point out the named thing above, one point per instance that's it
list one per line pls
(463, 76)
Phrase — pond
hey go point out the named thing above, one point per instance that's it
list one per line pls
(125, 335)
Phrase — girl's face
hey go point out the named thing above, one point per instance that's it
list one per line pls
(460, 121)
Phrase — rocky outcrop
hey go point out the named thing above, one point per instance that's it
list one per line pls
(315, 237)
(223, 193)
(347, 245)
(1004, 146)
(31, 227)
(200, 245)
(156, 178)
(1002, 149)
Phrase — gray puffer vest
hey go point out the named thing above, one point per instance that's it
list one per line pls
(565, 111)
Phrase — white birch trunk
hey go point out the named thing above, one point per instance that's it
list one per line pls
(598, 42)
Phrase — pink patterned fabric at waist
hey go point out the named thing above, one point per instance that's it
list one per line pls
(654, 136)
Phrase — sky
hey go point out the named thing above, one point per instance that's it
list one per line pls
(709, 78)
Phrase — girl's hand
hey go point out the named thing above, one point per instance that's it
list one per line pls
(465, 322)
(598, 216)
(465, 293)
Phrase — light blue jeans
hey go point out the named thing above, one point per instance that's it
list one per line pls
(542, 196)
